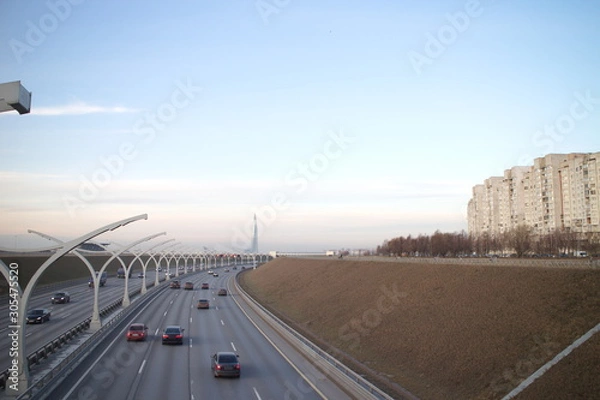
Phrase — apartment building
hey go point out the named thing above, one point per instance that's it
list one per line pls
(559, 191)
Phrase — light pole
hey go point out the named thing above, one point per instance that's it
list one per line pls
(126, 300)
(145, 265)
(60, 250)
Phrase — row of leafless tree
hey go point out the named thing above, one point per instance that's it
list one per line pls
(519, 242)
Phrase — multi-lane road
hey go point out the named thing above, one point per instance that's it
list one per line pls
(63, 316)
(120, 369)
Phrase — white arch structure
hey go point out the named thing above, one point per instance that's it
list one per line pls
(95, 322)
(145, 264)
(19, 327)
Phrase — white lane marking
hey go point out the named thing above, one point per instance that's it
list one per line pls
(156, 332)
(308, 381)
(165, 314)
(222, 323)
(190, 343)
(190, 320)
(233, 346)
(542, 370)
(256, 393)
(67, 315)
(142, 367)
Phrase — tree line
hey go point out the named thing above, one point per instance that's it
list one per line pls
(519, 242)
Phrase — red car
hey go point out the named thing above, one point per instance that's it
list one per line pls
(137, 331)
(203, 304)
(205, 286)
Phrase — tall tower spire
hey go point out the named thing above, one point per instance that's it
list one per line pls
(254, 248)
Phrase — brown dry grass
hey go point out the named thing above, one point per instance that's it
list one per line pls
(449, 331)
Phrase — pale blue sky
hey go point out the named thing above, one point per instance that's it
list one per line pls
(244, 100)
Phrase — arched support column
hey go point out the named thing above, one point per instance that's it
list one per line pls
(61, 250)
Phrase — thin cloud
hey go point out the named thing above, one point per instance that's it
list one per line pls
(80, 108)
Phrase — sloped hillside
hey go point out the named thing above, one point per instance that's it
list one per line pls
(443, 331)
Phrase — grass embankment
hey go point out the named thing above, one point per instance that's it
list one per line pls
(443, 331)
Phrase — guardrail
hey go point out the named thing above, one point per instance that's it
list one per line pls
(58, 342)
(303, 344)
(58, 373)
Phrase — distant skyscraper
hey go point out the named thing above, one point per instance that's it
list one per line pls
(254, 248)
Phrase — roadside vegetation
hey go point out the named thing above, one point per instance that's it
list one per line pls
(518, 242)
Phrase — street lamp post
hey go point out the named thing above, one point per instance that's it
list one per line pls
(19, 327)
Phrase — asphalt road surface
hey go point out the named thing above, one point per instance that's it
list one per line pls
(151, 370)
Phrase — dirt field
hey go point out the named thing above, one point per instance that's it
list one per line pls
(444, 331)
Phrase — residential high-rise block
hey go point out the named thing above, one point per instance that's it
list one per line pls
(558, 192)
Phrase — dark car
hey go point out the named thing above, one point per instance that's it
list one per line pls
(102, 280)
(205, 286)
(173, 335)
(38, 316)
(203, 303)
(175, 285)
(222, 292)
(188, 286)
(225, 363)
(61, 298)
(137, 331)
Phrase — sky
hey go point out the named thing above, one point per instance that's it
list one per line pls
(340, 124)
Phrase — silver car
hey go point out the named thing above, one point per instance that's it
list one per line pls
(225, 363)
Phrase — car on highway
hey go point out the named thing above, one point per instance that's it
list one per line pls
(173, 334)
(137, 331)
(101, 279)
(61, 298)
(210, 271)
(225, 363)
(203, 304)
(222, 292)
(175, 285)
(188, 286)
(38, 316)
(215, 274)
(205, 286)
(226, 269)
(141, 275)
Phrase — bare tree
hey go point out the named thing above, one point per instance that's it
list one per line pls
(521, 239)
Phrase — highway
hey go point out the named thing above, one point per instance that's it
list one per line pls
(150, 370)
(63, 316)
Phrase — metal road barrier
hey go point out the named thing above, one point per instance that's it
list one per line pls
(58, 342)
(332, 366)
(43, 387)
